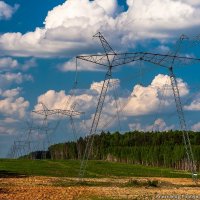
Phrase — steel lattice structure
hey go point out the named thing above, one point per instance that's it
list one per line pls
(111, 59)
(50, 112)
(19, 148)
(23, 145)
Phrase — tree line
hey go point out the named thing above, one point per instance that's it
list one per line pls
(161, 149)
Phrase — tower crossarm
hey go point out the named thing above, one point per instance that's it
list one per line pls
(99, 59)
(57, 111)
(68, 112)
(44, 112)
(163, 60)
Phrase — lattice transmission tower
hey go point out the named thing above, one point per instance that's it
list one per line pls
(22, 146)
(111, 59)
(46, 112)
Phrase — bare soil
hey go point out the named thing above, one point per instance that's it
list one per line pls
(45, 188)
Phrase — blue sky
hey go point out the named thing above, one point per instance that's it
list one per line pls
(38, 43)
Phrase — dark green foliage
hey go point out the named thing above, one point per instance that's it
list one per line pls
(164, 149)
(153, 183)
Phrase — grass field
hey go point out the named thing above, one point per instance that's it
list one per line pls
(95, 169)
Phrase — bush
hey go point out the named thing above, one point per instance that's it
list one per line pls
(153, 183)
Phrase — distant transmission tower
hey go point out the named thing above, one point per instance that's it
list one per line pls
(112, 59)
(50, 112)
(19, 148)
(22, 145)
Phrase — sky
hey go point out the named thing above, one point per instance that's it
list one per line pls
(38, 45)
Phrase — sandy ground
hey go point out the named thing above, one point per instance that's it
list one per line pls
(39, 188)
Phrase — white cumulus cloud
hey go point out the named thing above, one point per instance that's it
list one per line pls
(85, 99)
(11, 104)
(68, 28)
(147, 99)
(113, 84)
(11, 93)
(143, 100)
(81, 66)
(194, 105)
(8, 63)
(6, 11)
(8, 78)
(53, 100)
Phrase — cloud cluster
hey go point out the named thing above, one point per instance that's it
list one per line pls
(143, 100)
(8, 63)
(85, 99)
(194, 105)
(81, 66)
(68, 28)
(147, 99)
(11, 104)
(13, 107)
(6, 11)
(53, 100)
(9, 78)
(113, 84)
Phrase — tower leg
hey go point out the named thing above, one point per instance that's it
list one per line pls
(182, 122)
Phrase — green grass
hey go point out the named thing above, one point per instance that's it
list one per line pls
(70, 168)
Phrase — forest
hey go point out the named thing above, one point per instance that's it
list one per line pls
(160, 149)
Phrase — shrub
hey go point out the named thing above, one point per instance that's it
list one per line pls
(153, 183)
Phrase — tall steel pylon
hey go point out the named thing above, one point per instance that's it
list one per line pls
(180, 112)
(50, 112)
(112, 59)
(107, 49)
